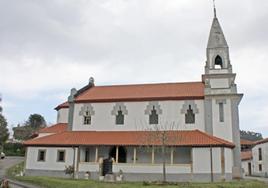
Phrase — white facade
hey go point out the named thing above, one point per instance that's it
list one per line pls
(260, 160)
(62, 115)
(136, 119)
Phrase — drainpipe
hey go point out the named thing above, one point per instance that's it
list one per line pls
(74, 162)
(211, 165)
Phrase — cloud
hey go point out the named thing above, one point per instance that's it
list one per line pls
(48, 47)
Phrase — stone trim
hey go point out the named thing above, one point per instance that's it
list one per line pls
(218, 101)
(117, 107)
(150, 106)
(87, 108)
(185, 107)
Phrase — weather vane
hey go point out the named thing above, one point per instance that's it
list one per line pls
(214, 6)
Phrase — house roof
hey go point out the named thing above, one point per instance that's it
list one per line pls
(62, 105)
(57, 128)
(143, 92)
(246, 155)
(140, 92)
(246, 142)
(195, 138)
(261, 141)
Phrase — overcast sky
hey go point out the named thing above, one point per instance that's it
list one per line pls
(48, 47)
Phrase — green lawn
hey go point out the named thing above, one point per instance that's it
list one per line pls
(51, 182)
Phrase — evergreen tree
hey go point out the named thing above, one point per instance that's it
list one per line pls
(4, 134)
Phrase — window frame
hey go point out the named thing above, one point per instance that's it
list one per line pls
(260, 154)
(153, 121)
(221, 112)
(117, 118)
(38, 155)
(188, 113)
(58, 155)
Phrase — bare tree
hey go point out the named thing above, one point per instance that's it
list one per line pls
(161, 135)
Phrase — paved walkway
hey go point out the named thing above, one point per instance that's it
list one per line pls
(7, 163)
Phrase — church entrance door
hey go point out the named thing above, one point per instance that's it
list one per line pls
(122, 154)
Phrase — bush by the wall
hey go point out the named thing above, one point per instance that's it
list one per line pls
(14, 149)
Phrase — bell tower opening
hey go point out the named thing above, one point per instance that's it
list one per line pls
(218, 62)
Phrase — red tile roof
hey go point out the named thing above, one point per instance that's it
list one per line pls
(143, 92)
(63, 105)
(57, 128)
(246, 142)
(246, 155)
(261, 141)
(194, 138)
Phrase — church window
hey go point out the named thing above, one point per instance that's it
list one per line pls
(153, 110)
(189, 109)
(87, 118)
(119, 119)
(119, 111)
(221, 112)
(61, 156)
(218, 62)
(41, 155)
(153, 117)
(87, 112)
(190, 116)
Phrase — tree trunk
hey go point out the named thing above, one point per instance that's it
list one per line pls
(164, 163)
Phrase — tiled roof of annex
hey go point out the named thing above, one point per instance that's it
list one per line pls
(184, 138)
(57, 128)
(246, 155)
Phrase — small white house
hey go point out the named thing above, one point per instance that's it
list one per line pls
(260, 158)
(197, 122)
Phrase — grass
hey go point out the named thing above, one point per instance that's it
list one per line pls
(52, 182)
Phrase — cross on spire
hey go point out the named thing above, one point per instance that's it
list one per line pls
(214, 6)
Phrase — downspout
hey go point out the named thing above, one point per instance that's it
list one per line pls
(211, 165)
(74, 162)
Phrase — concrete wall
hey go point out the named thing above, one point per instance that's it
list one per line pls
(222, 129)
(136, 119)
(50, 162)
(245, 167)
(62, 116)
(263, 162)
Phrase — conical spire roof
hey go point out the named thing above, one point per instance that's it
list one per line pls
(216, 37)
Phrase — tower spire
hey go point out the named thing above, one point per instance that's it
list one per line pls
(214, 7)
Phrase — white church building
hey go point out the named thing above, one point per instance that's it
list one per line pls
(126, 124)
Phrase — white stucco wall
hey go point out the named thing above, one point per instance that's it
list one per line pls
(263, 162)
(245, 166)
(219, 83)
(62, 116)
(50, 162)
(228, 155)
(202, 162)
(136, 119)
(222, 129)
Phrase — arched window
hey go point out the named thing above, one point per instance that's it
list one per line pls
(119, 120)
(218, 62)
(87, 118)
(189, 116)
(153, 117)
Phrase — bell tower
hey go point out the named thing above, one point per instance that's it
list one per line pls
(221, 97)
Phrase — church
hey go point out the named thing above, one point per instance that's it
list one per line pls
(132, 130)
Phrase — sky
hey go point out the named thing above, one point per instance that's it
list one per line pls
(49, 47)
